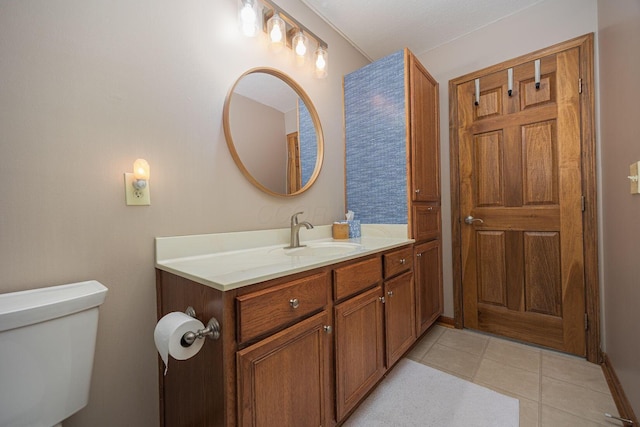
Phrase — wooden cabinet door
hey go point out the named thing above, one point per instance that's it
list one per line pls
(428, 277)
(426, 221)
(285, 380)
(400, 324)
(359, 338)
(424, 129)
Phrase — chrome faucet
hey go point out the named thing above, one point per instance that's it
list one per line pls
(295, 230)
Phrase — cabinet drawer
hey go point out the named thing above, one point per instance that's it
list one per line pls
(397, 261)
(356, 277)
(426, 221)
(270, 309)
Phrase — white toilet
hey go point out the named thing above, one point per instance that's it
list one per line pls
(47, 343)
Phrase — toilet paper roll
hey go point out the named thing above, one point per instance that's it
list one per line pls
(168, 335)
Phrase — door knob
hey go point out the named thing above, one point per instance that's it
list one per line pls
(470, 220)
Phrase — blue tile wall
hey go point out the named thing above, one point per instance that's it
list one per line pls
(308, 143)
(375, 122)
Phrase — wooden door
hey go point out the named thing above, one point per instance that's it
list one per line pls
(294, 171)
(359, 336)
(428, 276)
(399, 314)
(284, 380)
(521, 203)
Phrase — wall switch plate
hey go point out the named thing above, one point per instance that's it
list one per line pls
(135, 197)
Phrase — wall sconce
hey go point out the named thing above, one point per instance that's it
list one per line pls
(136, 184)
(283, 30)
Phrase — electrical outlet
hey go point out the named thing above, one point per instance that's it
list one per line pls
(134, 197)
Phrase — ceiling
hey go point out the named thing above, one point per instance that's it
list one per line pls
(380, 27)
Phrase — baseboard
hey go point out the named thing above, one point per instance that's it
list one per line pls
(449, 322)
(622, 403)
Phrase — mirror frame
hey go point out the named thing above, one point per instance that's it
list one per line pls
(314, 117)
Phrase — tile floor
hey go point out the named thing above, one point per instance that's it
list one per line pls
(554, 389)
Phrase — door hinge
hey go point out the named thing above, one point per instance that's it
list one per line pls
(583, 204)
(586, 322)
(580, 85)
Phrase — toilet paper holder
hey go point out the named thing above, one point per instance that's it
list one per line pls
(212, 330)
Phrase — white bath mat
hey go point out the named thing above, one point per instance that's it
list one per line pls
(417, 395)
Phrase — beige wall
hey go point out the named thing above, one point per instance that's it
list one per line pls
(619, 38)
(88, 87)
(542, 25)
(260, 139)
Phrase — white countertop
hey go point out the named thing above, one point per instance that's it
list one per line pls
(226, 261)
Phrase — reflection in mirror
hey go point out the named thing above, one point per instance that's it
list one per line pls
(273, 132)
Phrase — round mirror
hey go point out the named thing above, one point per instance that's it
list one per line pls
(273, 132)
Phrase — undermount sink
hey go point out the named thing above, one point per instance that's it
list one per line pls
(324, 249)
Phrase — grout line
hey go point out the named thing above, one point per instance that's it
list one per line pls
(540, 391)
(480, 359)
(581, 386)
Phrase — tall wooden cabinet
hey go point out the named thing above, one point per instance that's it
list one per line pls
(393, 163)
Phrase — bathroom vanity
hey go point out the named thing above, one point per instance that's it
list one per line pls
(305, 333)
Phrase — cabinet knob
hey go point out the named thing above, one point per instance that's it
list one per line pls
(327, 328)
(294, 303)
(403, 261)
(382, 300)
(419, 254)
(430, 208)
(417, 191)
(390, 293)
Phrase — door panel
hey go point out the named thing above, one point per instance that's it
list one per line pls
(492, 271)
(540, 164)
(488, 164)
(542, 273)
(520, 178)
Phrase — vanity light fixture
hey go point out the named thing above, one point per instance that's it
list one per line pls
(283, 30)
(136, 184)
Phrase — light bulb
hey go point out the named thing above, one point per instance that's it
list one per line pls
(248, 17)
(276, 34)
(276, 28)
(321, 62)
(300, 44)
(141, 169)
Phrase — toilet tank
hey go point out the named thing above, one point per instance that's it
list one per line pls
(47, 343)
